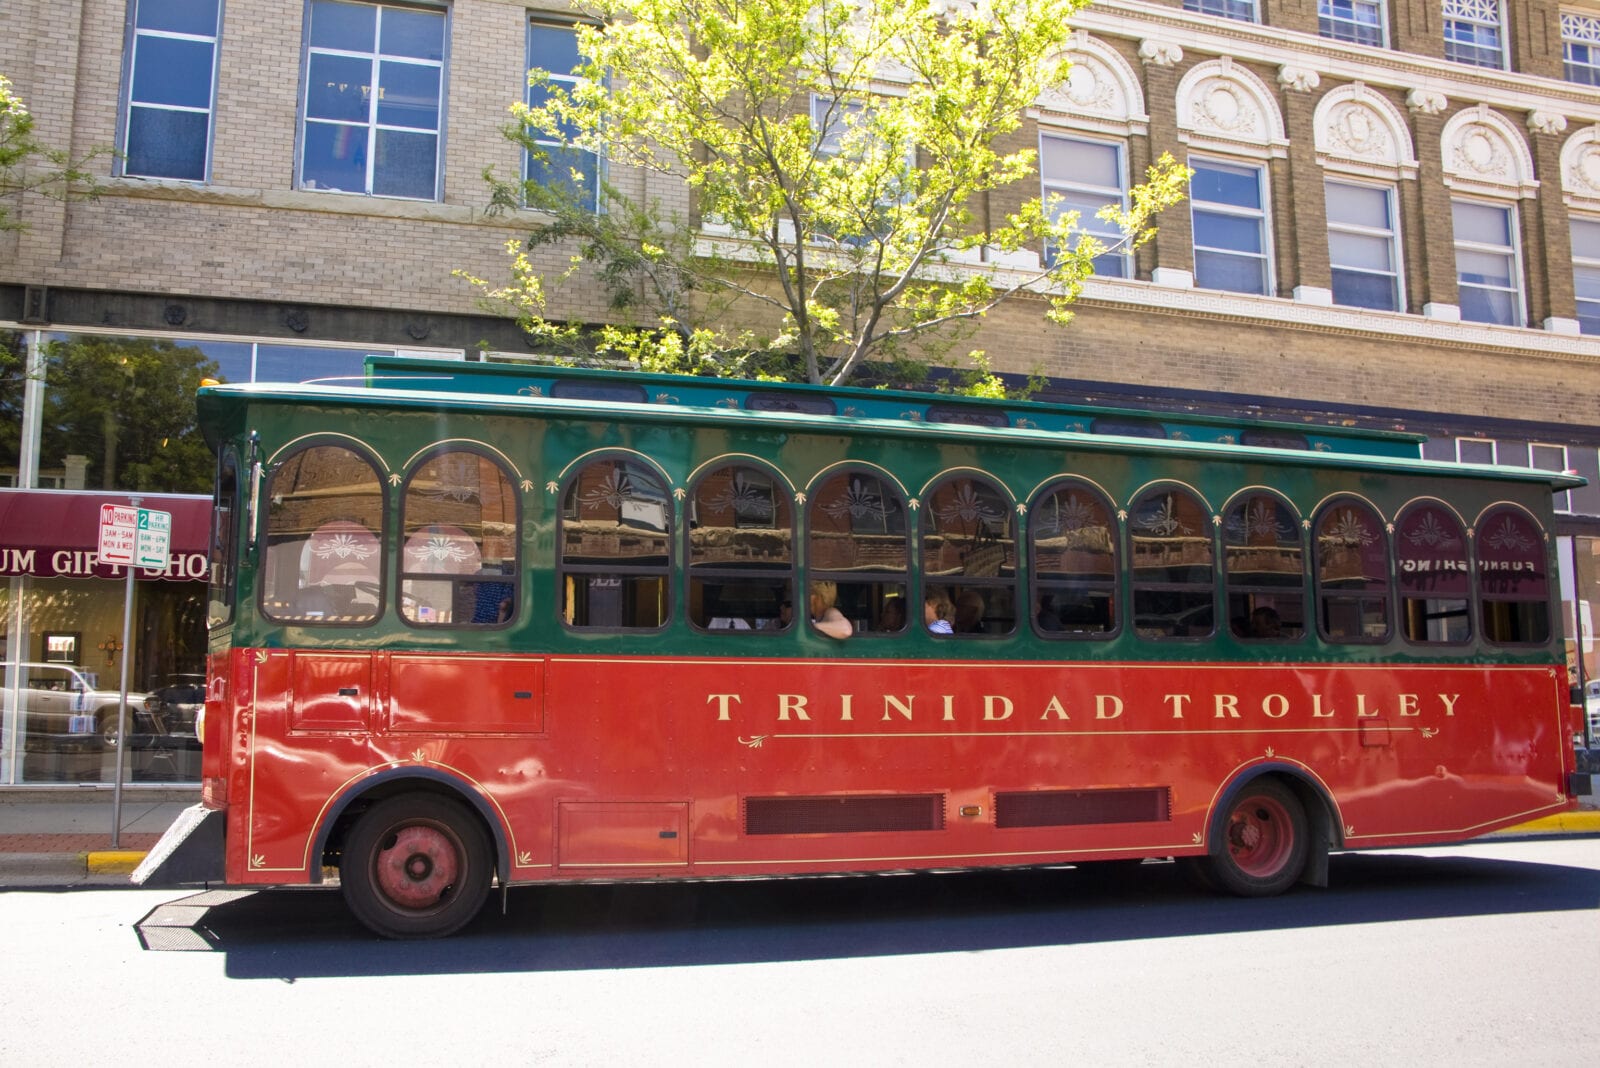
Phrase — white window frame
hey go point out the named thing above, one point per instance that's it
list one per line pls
(1494, 450)
(1554, 459)
(1579, 30)
(1587, 264)
(136, 36)
(1338, 27)
(1481, 14)
(1263, 216)
(1519, 314)
(1239, 10)
(1119, 196)
(1391, 236)
(371, 126)
(569, 81)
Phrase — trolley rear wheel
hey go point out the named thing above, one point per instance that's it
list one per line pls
(416, 866)
(1263, 844)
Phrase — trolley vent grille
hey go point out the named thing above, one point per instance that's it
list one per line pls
(844, 815)
(1069, 808)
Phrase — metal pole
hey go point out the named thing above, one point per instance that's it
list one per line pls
(122, 704)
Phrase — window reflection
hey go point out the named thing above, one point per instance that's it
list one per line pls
(460, 522)
(858, 541)
(1264, 564)
(1352, 561)
(1073, 537)
(616, 552)
(741, 551)
(1173, 563)
(324, 555)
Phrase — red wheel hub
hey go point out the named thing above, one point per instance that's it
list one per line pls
(418, 866)
(1260, 836)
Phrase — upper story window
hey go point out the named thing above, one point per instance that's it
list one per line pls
(373, 109)
(171, 89)
(1488, 270)
(553, 47)
(1474, 32)
(1243, 10)
(1362, 246)
(1580, 45)
(1552, 458)
(1586, 272)
(1086, 176)
(1229, 210)
(1356, 21)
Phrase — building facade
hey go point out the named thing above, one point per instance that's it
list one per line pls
(1395, 221)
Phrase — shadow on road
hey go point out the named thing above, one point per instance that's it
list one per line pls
(288, 934)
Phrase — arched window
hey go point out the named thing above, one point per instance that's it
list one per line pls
(1174, 564)
(741, 551)
(324, 550)
(1433, 570)
(458, 566)
(969, 552)
(1352, 561)
(1072, 541)
(856, 541)
(616, 546)
(1513, 577)
(1264, 569)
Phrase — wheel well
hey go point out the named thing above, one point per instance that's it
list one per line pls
(1321, 817)
(350, 809)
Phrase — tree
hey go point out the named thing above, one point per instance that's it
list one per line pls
(27, 166)
(839, 153)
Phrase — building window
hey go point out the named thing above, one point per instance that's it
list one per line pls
(1243, 10)
(1086, 176)
(573, 172)
(1586, 272)
(1580, 44)
(1228, 207)
(1486, 262)
(1356, 21)
(1361, 246)
(1474, 33)
(1552, 458)
(171, 83)
(373, 110)
(1476, 450)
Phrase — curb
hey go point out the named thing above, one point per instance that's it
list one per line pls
(1583, 821)
(112, 861)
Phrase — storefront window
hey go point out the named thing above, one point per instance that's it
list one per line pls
(13, 368)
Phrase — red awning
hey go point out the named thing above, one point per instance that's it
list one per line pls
(55, 534)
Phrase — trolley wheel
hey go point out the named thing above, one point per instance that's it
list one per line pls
(416, 866)
(1263, 844)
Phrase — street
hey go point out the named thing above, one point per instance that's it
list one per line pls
(1487, 953)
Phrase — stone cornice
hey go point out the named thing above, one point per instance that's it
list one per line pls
(1204, 36)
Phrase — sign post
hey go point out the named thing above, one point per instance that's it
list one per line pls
(131, 537)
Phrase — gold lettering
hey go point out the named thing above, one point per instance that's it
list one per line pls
(1177, 701)
(722, 700)
(949, 707)
(1408, 705)
(994, 701)
(1275, 705)
(1104, 701)
(1316, 708)
(844, 708)
(1054, 706)
(792, 702)
(1449, 700)
(1227, 706)
(892, 703)
(1361, 707)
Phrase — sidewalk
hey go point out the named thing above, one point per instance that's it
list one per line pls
(52, 837)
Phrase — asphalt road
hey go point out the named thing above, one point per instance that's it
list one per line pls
(1482, 954)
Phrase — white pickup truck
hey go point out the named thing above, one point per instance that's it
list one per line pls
(57, 699)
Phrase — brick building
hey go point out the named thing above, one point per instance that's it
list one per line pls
(1395, 221)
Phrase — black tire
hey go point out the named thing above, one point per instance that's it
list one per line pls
(105, 725)
(1260, 844)
(416, 866)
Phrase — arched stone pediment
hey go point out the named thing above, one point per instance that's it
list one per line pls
(1101, 92)
(1580, 169)
(1485, 153)
(1225, 107)
(1359, 131)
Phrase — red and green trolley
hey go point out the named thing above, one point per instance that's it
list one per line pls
(463, 633)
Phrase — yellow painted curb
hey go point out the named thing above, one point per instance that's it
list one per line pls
(1587, 820)
(112, 861)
